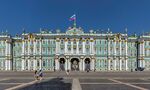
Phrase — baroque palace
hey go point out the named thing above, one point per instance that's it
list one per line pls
(74, 50)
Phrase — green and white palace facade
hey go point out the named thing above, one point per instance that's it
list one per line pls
(74, 50)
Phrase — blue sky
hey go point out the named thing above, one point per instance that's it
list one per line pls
(91, 14)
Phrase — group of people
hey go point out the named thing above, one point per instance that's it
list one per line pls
(38, 75)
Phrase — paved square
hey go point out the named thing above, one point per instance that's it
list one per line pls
(76, 81)
(106, 87)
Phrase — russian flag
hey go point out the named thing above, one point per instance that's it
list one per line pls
(73, 17)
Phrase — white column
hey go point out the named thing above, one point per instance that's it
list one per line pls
(23, 53)
(34, 48)
(56, 64)
(9, 65)
(23, 64)
(92, 64)
(143, 63)
(90, 46)
(83, 48)
(69, 64)
(29, 64)
(140, 50)
(28, 47)
(59, 47)
(143, 54)
(93, 50)
(120, 61)
(6, 65)
(66, 49)
(120, 53)
(56, 47)
(6, 50)
(72, 46)
(40, 63)
(108, 47)
(23, 47)
(108, 64)
(140, 63)
(147, 52)
(77, 47)
(126, 64)
(9, 49)
(108, 54)
(66, 64)
(120, 49)
(80, 65)
(83, 65)
(126, 48)
(34, 64)
(115, 64)
(40, 47)
(115, 47)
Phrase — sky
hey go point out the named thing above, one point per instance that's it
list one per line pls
(31, 15)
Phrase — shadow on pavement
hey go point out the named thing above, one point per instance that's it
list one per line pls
(52, 84)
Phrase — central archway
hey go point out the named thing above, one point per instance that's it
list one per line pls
(62, 64)
(74, 64)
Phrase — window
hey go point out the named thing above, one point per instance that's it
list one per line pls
(69, 49)
(53, 42)
(38, 42)
(87, 42)
(31, 50)
(44, 63)
(80, 42)
(62, 41)
(38, 49)
(38, 64)
(69, 42)
(62, 49)
(80, 49)
(31, 43)
(26, 63)
(49, 42)
(74, 42)
(105, 41)
(111, 42)
(43, 49)
(43, 42)
(49, 49)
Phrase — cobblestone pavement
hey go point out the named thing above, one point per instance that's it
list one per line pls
(86, 81)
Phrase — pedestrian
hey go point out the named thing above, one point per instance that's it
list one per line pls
(36, 75)
(67, 72)
(40, 74)
(87, 70)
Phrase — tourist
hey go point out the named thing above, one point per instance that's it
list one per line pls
(67, 72)
(36, 76)
(40, 74)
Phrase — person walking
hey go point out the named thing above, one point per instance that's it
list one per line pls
(40, 74)
(36, 75)
(67, 72)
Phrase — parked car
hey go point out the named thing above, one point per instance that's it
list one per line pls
(139, 69)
